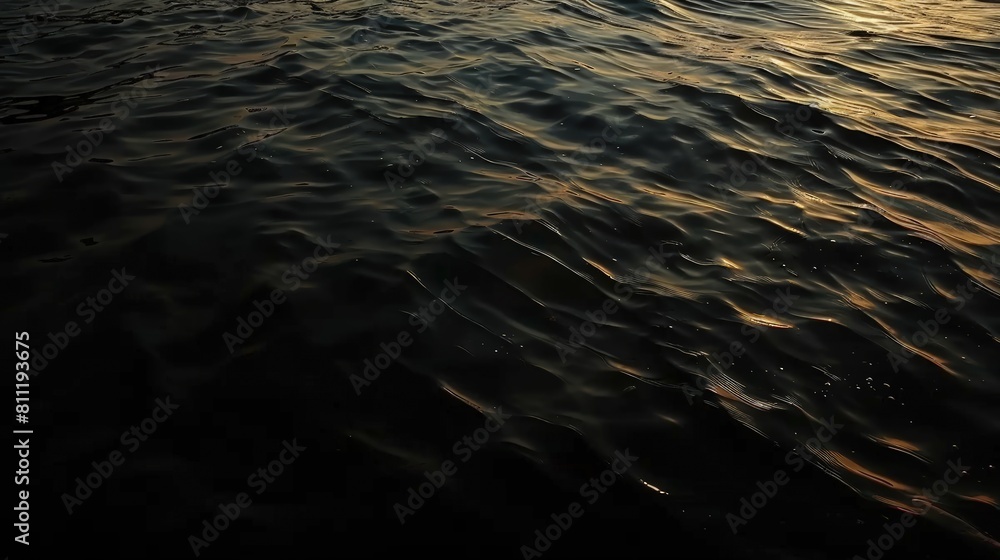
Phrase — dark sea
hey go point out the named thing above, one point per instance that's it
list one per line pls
(513, 279)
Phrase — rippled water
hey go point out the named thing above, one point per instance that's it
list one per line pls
(694, 230)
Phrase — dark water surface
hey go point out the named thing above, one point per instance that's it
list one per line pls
(695, 230)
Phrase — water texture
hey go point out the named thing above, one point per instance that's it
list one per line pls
(697, 230)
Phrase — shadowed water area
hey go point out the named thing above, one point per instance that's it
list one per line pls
(698, 230)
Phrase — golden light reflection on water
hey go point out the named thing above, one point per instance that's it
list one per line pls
(885, 81)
